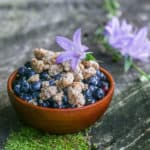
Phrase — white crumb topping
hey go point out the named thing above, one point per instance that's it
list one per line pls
(39, 53)
(75, 97)
(58, 97)
(34, 78)
(91, 63)
(45, 84)
(48, 92)
(89, 72)
(55, 69)
(37, 65)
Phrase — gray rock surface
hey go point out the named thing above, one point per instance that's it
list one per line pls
(28, 24)
(126, 125)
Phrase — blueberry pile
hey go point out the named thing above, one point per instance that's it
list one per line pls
(98, 86)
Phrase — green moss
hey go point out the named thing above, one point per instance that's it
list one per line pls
(31, 139)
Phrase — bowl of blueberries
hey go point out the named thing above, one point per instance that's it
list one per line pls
(61, 92)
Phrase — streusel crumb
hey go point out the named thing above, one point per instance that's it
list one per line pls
(37, 65)
(89, 72)
(58, 97)
(91, 63)
(34, 78)
(55, 69)
(39, 53)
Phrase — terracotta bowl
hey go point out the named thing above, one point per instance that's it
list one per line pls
(59, 121)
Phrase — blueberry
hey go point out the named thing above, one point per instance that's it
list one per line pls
(57, 77)
(26, 96)
(65, 99)
(46, 103)
(65, 91)
(55, 105)
(99, 94)
(51, 82)
(21, 79)
(85, 81)
(35, 86)
(98, 73)
(62, 106)
(92, 88)
(35, 95)
(29, 72)
(88, 93)
(90, 100)
(103, 77)
(94, 80)
(28, 64)
(44, 76)
(70, 106)
(105, 86)
(22, 71)
(24, 86)
(17, 89)
(40, 102)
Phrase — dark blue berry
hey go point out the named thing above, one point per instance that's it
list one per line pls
(29, 72)
(17, 89)
(57, 77)
(92, 88)
(22, 71)
(44, 76)
(102, 77)
(35, 86)
(85, 81)
(62, 106)
(46, 103)
(40, 102)
(90, 100)
(21, 79)
(99, 94)
(65, 91)
(51, 82)
(26, 96)
(70, 106)
(88, 93)
(27, 64)
(105, 86)
(24, 86)
(55, 105)
(35, 95)
(94, 80)
(98, 73)
(65, 99)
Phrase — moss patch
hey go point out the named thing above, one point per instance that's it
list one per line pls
(31, 139)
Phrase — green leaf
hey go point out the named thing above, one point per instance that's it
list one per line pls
(89, 56)
(116, 56)
(112, 7)
(127, 63)
(99, 31)
(144, 78)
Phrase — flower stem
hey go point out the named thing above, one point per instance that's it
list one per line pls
(141, 71)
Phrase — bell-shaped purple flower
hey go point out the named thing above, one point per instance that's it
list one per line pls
(139, 47)
(74, 51)
(118, 34)
(121, 36)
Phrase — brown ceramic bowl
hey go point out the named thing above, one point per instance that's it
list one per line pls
(59, 121)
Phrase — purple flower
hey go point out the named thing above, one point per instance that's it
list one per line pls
(118, 34)
(121, 36)
(74, 51)
(139, 47)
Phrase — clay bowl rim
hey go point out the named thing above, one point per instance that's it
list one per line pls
(23, 102)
